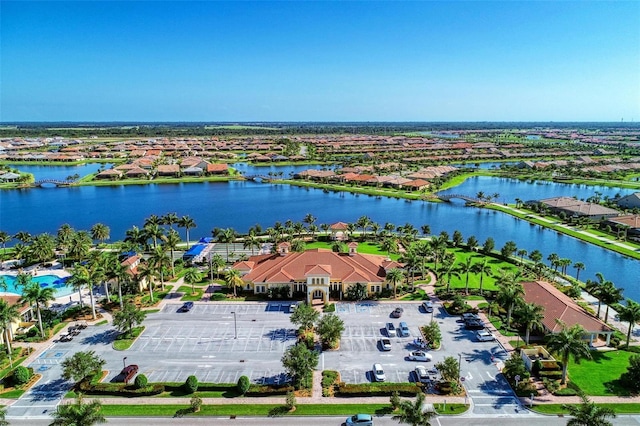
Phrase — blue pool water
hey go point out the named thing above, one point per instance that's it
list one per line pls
(44, 281)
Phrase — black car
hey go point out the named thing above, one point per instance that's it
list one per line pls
(474, 324)
(186, 307)
(397, 312)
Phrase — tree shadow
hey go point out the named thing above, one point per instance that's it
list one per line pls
(278, 411)
(106, 337)
(282, 334)
(50, 391)
(276, 379)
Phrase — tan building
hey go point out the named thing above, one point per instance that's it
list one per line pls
(316, 273)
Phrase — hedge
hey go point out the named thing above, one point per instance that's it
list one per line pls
(377, 389)
(120, 389)
(268, 390)
(550, 374)
(202, 387)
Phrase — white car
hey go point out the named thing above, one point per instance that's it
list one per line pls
(385, 344)
(422, 375)
(484, 336)
(378, 373)
(419, 356)
(427, 306)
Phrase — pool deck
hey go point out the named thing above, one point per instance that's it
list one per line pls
(38, 271)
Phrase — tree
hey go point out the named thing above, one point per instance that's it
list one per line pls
(243, 385)
(610, 294)
(125, 319)
(226, 236)
(330, 328)
(78, 413)
(305, 316)
(629, 312)
(100, 232)
(472, 242)
(233, 280)
(449, 369)
(483, 269)
(299, 363)
(569, 343)
(457, 239)
(38, 296)
(587, 413)
(169, 219)
(357, 292)
(3, 414)
(489, 245)
(42, 248)
(390, 245)
(81, 365)
(466, 268)
(8, 314)
(631, 377)
(171, 241)
(413, 413)
(530, 316)
(450, 271)
(394, 276)
(514, 366)
(579, 266)
(157, 262)
(508, 249)
(192, 276)
(187, 223)
(510, 292)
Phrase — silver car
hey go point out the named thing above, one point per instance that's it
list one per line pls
(378, 373)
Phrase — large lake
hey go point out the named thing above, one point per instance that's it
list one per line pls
(241, 205)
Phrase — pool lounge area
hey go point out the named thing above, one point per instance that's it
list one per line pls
(59, 283)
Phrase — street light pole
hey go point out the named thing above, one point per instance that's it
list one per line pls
(459, 366)
(235, 326)
(124, 362)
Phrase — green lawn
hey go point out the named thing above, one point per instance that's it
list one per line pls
(122, 344)
(555, 409)
(188, 295)
(599, 377)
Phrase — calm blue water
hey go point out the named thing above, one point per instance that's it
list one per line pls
(43, 280)
(59, 172)
(241, 205)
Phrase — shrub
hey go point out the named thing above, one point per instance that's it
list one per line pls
(191, 385)
(395, 400)
(218, 296)
(140, 381)
(21, 375)
(291, 400)
(243, 385)
(267, 390)
(377, 389)
(566, 392)
(195, 403)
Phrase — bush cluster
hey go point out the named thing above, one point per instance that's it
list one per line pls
(21, 375)
(267, 390)
(119, 389)
(377, 389)
(191, 385)
(243, 385)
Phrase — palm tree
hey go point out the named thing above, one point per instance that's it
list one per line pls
(438, 247)
(413, 413)
(251, 241)
(630, 313)
(8, 314)
(115, 270)
(157, 262)
(171, 241)
(393, 276)
(192, 276)
(579, 266)
(483, 269)
(187, 223)
(595, 289)
(80, 245)
(42, 248)
(100, 232)
(4, 239)
(63, 236)
(169, 219)
(530, 315)
(226, 236)
(38, 296)
(23, 236)
(78, 414)
(569, 343)
(466, 268)
(136, 236)
(232, 279)
(609, 295)
(588, 413)
(510, 292)
(154, 232)
(451, 270)
(217, 262)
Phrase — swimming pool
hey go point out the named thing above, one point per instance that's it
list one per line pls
(52, 281)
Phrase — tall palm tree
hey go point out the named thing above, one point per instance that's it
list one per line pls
(226, 236)
(630, 312)
(38, 296)
(595, 289)
(100, 232)
(157, 263)
(63, 236)
(394, 276)
(80, 245)
(115, 270)
(413, 413)
(216, 263)
(187, 223)
(153, 220)
(23, 236)
(192, 276)
(579, 266)
(450, 270)
(42, 248)
(251, 241)
(8, 314)
(146, 272)
(569, 343)
(483, 269)
(530, 315)
(4, 239)
(153, 231)
(438, 247)
(466, 268)
(171, 241)
(609, 295)
(510, 292)
(78, 414)
(232, 279)
(588, 413)
(136, 236)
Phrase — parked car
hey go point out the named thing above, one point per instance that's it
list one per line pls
(359, 420)
(403, 331)
(186, 307)
(128, 372)
(474, 324)
(293, 307)
(66, 337)
(378, 373)
(427, 306)
(397, 312)
(484, 336)
(385, 344)
(422, 375)
(470, 316)
(419, 356)
(391, 329)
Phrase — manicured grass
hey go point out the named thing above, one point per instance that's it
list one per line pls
(450, 409)
(555, 409)
(599, 376)
(103, 322)
(122, 344)
(12, 394)
(188, 295)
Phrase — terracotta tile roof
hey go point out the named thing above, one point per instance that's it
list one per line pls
(339, 226)
(352, 268)
(559, 306)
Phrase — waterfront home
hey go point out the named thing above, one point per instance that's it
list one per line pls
(561, 310)
(573, 207)
(26, 319)
(168, 170)
(317, 273)
(631, 201)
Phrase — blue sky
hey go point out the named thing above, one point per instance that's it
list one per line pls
(320, 61)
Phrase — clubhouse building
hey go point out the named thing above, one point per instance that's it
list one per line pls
(318, 273)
